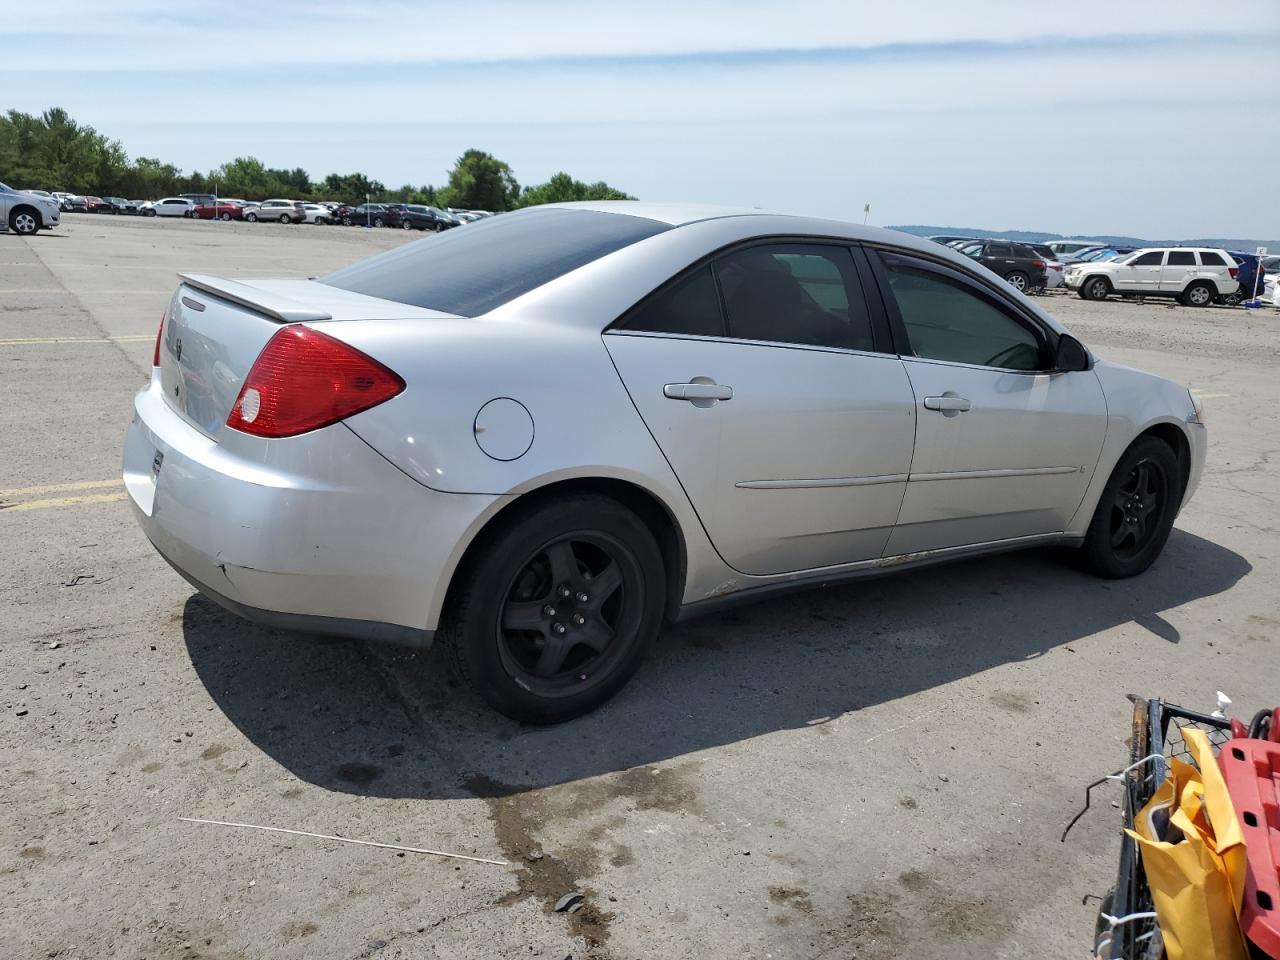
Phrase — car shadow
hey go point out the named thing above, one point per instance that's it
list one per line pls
(376, 721)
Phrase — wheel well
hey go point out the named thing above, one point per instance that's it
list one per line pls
(639, 501)
(1097, 276)
(28, 208)
(1177, 442)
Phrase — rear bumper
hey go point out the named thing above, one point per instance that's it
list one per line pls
(316, 532)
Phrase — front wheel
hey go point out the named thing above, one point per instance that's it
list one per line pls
(225, 216)
(251, 217)
(557, 609)
(1135, 512)
(1096, 288)
(406, 224)
(377, 221)
(346, 221)
(24, 223)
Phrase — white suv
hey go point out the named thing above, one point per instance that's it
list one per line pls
(1193, 277)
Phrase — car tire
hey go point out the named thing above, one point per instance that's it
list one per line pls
(285, 218)
(1199, 294)
(1135, 512)
(565, 655)
(148, 213)
(377, 221)
(406, 224)
(1018, 280)
(1095, 288)
(346, 221)
(224, 216)
(24, 221)
(251, 217)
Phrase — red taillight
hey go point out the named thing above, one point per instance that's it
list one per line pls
(155, 357)
(1234, 271)
(1038, 264)
(304, 380)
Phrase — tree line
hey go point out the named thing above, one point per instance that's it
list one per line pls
(54, 152)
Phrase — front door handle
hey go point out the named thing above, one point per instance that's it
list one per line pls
(959, 404)
(697, 391)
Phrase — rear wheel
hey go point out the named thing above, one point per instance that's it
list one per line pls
(556, 611)
(377, 221)
(1096, 288)
(23, 222)
(1199, 295)
(406, 224)
(346, 221)
(1018, 280)
(225, 216)
(1135, 512)
(285, 218)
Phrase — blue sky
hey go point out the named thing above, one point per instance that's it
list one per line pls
(1138, 117)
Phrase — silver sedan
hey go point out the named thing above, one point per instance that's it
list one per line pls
(540, 437)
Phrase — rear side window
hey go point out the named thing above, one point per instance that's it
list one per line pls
(1153, 259)
(1210, 259)
(999, 250)
(690, 307)
(1182, 258)
(470, 272)
(795, 293)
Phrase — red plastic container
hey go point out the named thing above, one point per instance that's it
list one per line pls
(1251, 769)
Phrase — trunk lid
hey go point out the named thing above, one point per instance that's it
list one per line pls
(215, 329)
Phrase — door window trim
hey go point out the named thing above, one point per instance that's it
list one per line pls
(1045, 335)
(883, 342)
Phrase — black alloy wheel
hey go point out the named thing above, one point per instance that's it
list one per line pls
(557, 608)
(1136, 511)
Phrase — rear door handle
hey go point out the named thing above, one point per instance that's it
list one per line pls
(946, 403)
(697, 391)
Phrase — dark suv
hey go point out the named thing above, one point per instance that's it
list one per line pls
(1015, 263)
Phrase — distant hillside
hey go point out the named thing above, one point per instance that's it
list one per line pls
(1034, 236)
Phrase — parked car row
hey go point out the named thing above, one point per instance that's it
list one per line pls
(207, 206)
(1192, 276)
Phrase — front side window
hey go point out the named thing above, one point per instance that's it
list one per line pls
(1152, 259)
(947, 320)
(1210, 259)
(1182, 258)
(794, 293)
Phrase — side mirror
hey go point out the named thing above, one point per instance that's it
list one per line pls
(1070, 356)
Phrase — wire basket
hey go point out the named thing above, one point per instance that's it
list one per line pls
(1157, 733)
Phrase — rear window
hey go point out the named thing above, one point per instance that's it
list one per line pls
(1210, 259)
(1181, 258)
(470, 272)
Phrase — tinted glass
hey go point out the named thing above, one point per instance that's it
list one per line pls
(1182, 258)
(1026, 253)
(1153, 259)
(470, 272)
(1211, 259)
(945, 320)
(691, 306)
(795, 293)
(999, 250)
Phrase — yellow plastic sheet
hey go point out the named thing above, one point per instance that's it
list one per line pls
(1197, 882)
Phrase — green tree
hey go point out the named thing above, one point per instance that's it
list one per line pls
(350, 187)
(480, 181)
(562, 188)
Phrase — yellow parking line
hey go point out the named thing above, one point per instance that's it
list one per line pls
(64, 502)
(126, 338)
(61, 487)
(1213, 396)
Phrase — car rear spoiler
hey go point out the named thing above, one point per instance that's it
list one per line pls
(263, 301)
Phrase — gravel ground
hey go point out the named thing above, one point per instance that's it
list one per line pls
(880, 770)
